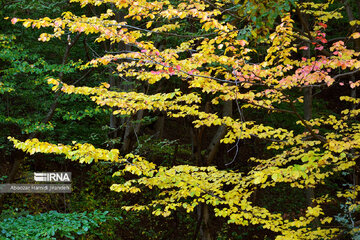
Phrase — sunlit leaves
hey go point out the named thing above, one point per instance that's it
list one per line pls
(218, 64)
(355, 35)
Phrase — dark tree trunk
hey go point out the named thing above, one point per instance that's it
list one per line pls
(349, 12)
(204, 222)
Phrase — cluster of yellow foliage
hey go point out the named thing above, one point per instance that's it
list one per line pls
(220, 65)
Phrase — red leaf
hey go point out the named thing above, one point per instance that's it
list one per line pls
(319, 47)
(323, 40)
(323, 25)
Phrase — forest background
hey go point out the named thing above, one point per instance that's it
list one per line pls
(181, 119)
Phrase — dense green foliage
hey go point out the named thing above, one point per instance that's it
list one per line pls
(51, 225)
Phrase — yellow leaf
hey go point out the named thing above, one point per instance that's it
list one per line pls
(27, 24)
(148, 25)
(355, 35)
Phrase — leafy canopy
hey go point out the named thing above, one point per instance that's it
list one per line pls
(218, 61)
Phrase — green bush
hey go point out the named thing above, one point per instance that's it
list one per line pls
(51, 225)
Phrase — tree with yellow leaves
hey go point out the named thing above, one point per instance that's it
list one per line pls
(222, 64)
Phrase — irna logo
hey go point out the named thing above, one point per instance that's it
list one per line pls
(53, 177)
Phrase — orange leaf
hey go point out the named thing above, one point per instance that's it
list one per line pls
(355, 35)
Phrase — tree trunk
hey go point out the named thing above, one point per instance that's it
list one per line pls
(113, 132)
(131, 131)
(214, 145)
(116, 83)
(159, 126)
(350, 14)
(309, 192)
(205, 231)
(203, 210)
